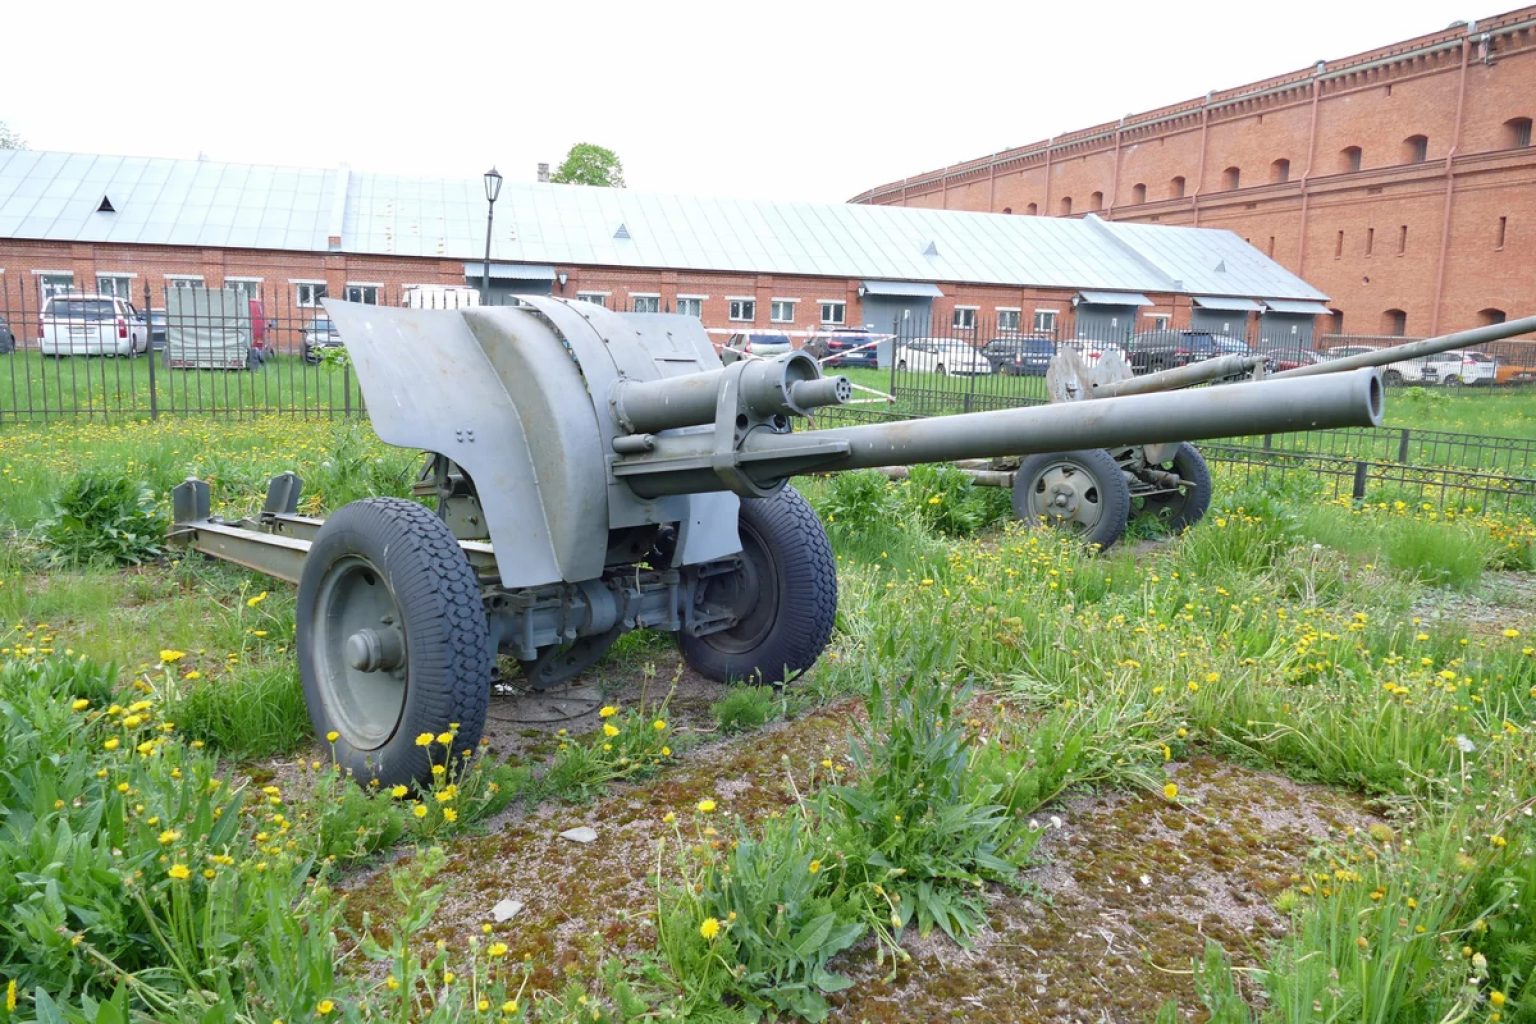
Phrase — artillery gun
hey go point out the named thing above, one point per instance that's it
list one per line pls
(597, 472)
(1096, 492)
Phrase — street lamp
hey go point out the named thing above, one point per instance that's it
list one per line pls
(492, 190)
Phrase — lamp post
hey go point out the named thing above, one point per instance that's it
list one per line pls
(492, 190)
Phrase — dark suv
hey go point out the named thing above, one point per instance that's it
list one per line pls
(850, 347)
(1020, 357)
(1151, 351)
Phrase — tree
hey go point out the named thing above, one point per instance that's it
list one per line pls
(588, 164)
(9, 139)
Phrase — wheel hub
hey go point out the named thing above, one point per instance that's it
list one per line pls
(361, 653)
(1068, 494)
(376, 650)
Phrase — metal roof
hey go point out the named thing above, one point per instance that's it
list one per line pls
(1097, 298)
(54, 196)
(1303, 308)
(1228, 303)
(903, 288)
(511, 271)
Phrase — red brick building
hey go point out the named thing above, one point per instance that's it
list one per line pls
(1401, 181)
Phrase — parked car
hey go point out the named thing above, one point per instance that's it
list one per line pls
(1020, 357)
(1151, 351)
(1345, 351)
(1457, 367)
(320, 335)
(763, 344)
(7, 339)
(852, 348)
(949, 356)
(1410, 371)
(1092, 349)
(91, 325)
(1227, 345)
(157, 329)
(1287, 355)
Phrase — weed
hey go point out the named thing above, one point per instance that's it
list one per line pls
(745, 708)
(102, 517)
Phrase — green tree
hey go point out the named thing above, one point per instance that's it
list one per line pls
(588, 164)
(9, 139)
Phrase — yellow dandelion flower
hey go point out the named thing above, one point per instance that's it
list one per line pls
(1496, 998)
(332, 736)
(668, 818)
(180, 872)
(706, 806)
(424, 740)
(1510, 634)
(420, 810)
(10, 996)
(450, 815)
(659, 725)
(608, 711)
(610, 730)
(111, 744)
(252, 602)
(398, 791)
(709, 928)
(498, 949)
(445, 738)
(1170, 791)
(80, 704)
(168, 657)
(324, 1007)
(509, 1007)
(814, 866)
(169, 836)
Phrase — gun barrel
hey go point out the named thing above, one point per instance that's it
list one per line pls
(1415, 349)
(788, 385)
(1272, 406)
(1205, 370)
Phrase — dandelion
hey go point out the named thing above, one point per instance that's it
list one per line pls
(324, 1007)
(709, 928)
(180, 872)
(1170, 791)
(706, 806)
(169, 836)
(1496, 998)
(80, 704)
(252, 602)
(392, 983)
(194, 674)
(420, 810)
(10, 996)
(814, 866)
(659, 725)
(668, 818)
(424, 740)
(608, 712)
(610, 730)
(1509, 634)
(498, 949)
(450, 815)
(168, 657)
(509, 1007)
(112, 744)
(398, 791)
(332, 736)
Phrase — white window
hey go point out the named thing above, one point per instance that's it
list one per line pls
(645, 302)
(691, 305)
(364, 293)
(833, 312)
(119, 285)
(184, 280)
(55, 283)
(1045, 321)
(782, 311)
(309, 293)
(743, 309)
(1159, 320)
(964, 318)
(596, 298)
(245, 287)
(1007, 319)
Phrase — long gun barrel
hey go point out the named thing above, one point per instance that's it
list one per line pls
(1415, 349)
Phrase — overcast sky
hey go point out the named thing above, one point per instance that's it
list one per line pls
(781, 100)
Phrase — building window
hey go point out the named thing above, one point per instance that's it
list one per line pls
(596, 298)
(245, 287)
(782, 311)
(1159, 320)
(1517, 132)
(1007, 209)
(834, 312)
(55, 284)
(1489, 317)
(1176, 187)
(964, 318)
(1349, 158)
(1031, 210)
(1230, 178)
(1498, 241)
(1402, 239)
(744, 310)
(1096, 201)
(1415, 149)
(1394, 322)
(690, 305)
(368, 294)
(118, 285)
(1370, 240)
(186, 281)
(1007, 320)
(643, 302)
(1270, 251)
(1280, 170)
(308, 293)
(1138, 193)
(1066, 206)
(1338, 245)
(1045, 321)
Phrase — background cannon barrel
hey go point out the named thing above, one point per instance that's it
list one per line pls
(1415, 349)
(1180, 376)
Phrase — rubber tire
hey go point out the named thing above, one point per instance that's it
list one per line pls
(1453, 381)
(938, 368)
(1392, 379)
(783, 529)
(1115, 493)
(448, 650)
(1190, 465)
(901, 364)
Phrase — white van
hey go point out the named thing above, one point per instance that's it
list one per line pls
(91, 325)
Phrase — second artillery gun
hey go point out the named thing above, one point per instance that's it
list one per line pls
(595, 472)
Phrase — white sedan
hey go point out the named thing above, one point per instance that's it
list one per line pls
(942, 355)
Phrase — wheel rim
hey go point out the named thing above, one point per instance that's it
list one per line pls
(1066, 494)
(752, 592)
(360, 654)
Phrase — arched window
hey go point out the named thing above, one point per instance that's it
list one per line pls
(1517, 133)
(1031, 209)
(1096, 201)
(1415, 149)
(1007, 209)
(1394, 322)
(1230, 178)
(1488, 317)
(1335, 321)
(1139, 193)
(1349, 158)
(1280, 170)
(1176, 187)
(1066, 206)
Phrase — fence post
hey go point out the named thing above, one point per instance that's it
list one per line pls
(1269, 442)
(151, 355)
(1402, 447)
(1359, 490)
(346, 389)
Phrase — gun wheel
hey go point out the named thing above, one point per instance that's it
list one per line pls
(1082, 491)
(392, 640)
(1186, 506)
(784, 596)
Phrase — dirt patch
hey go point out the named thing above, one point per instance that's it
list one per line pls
(1500, 600)
(1130, 888)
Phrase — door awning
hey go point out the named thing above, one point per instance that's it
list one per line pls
(512, 271)
(1226, 302)
(1095, 298)
(905, 289)
(1295, 306)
